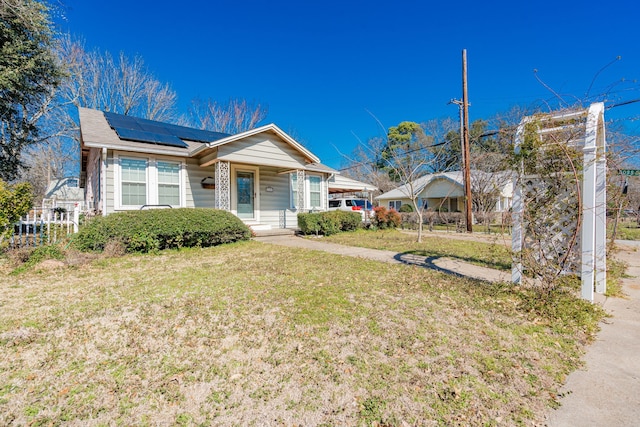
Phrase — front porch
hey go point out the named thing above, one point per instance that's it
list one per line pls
(266, 197)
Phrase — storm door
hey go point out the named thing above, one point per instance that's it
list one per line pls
(245, 195)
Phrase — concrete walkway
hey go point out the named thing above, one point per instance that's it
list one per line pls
(607, 391)
(445, 265)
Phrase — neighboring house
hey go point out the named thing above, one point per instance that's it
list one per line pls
(263, 176)
(339, 184)
(445, 191)
(63, 193)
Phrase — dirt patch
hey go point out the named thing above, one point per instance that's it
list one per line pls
(50, 264)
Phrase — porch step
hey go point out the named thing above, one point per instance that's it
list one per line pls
(259, 227)
(274, 232)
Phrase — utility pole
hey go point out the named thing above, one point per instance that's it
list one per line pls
(459, 104)
(465, 141)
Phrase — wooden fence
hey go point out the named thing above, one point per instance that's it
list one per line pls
(43, 226)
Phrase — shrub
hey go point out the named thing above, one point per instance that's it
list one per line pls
(309, 223)
(328, 223)
(151, 230)
(406, 208)
(384, 218)
(15, 201)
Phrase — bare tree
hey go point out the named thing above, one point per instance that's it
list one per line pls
(406, 158)
(94, 79)
(234, 116)
(123, 85)
(363, 164)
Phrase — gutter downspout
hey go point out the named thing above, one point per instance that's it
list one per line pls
(103, 177)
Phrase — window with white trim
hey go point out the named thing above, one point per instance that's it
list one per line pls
(315, 192)
(148, 181)
(395, 204)
(133, 182)
(168, 183)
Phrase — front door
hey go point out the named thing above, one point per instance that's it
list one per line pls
(245, 195)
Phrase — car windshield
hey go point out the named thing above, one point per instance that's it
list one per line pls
(361, 204)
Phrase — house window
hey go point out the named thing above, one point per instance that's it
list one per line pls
(134, 181)
(168, 183)
(395, 204)
(315, 191)
(148, 181)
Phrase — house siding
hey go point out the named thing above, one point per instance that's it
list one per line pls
(276, 204)
(198, 197)
(441, 188)
(93, 189)
(263, 149)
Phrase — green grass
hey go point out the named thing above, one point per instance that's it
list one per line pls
(241, 333)
(487, 254)
(628, 229)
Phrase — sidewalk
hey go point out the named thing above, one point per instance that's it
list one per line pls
(607, 391)
(445, 265)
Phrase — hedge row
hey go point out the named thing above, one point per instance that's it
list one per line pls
(150, 230)
(328, 223)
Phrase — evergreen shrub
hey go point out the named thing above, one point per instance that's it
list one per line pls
(156, 229)
(328, 223)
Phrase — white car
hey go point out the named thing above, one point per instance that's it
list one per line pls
(348, 204)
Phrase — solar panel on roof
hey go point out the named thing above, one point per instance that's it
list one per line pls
(142, 136)
(144, 130)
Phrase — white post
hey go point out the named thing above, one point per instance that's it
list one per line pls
(518, 209)
(601, 200)
(76, 218)
(593, 201)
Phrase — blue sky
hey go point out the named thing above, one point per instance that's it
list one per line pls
(326, 68)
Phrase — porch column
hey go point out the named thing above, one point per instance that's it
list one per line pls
(223, 186)
(300, 178)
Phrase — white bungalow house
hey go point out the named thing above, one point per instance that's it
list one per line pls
(445, 191)
(263, 175)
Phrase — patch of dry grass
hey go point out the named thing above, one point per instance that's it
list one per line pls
(487, 251)
(251, 333)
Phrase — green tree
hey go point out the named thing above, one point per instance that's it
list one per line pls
(406, 158)
(29, 73)
(15, 201)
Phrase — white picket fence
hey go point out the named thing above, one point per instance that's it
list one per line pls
(44, 226)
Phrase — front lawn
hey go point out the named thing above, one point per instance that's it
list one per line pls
(255, 334)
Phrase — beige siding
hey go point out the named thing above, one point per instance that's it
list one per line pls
(262, 149)
(277, 203)
(440, 188)
(198, 197)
